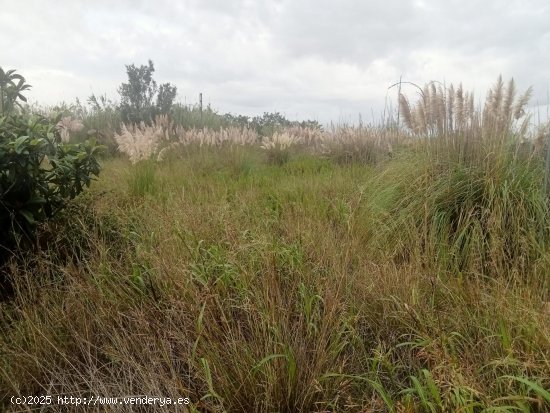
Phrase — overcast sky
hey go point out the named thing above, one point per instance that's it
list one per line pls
(318, 59)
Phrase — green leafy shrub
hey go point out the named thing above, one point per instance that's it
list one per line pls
(38, 173)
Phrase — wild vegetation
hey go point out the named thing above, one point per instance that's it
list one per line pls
(393, 268)
(39, 171)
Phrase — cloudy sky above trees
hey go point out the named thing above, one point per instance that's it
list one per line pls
(318, 59)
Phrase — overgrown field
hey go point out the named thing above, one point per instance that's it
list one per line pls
(305, 286)
(282, 268)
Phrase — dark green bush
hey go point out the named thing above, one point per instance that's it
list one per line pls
(38, 173)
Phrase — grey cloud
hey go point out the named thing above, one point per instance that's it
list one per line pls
(308, 58)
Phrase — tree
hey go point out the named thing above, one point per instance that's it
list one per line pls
(165, 97)
(137, 97)
(269, 123)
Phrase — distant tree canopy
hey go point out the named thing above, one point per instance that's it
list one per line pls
(191, 116)
(141, 99)
(269, 123)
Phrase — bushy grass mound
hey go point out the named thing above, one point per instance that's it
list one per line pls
(488, 217)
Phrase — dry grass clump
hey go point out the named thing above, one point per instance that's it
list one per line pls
(216, 138)
(142, 142)
(344, 143)
(67, 126)
(503, 108)
(537, 145)
(358, 144)
(470, 197)
(280, 140)
(306, 136)
(278, 146)
(439, 111)
(446, 111)
(457, 132)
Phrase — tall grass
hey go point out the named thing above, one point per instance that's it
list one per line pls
(344, 144)
(227, 293)
(468, 197)
(417, 284)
